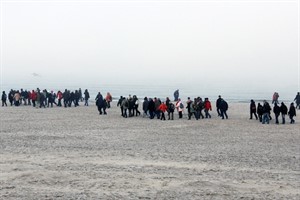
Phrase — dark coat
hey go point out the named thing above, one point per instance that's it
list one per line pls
(252, 106)
(292, 111)
(266, 108)
(151, 106)
(223, 105)
(145, 105)
(100, 101)
(260, 109)
(276, 109)
(283, 109)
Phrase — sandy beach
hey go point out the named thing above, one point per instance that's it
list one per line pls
(74, 153)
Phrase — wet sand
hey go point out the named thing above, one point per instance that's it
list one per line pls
(74, 153)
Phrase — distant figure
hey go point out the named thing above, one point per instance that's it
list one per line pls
(59, 96)
(223, 108)
(260, 111)
(171, 109)
(157, 104)
(125, 105)
(199, 107)
(252, 109)
(276, 111)
(17, 97)
(130, 106)
(136, 105)
(29, 97)
(80, 95)
(189, 108)
(168, 103)
(120, 104)
(76, 98)
(218, 105)
(283, 110)
(3, 99)
(275, 98)
(51, 99)
(151, 108)
(266, 112)
(176, 95)
(179, 106)
(11, 97)
(292, 113)
(207, 108)
(297, 99)
(163, 108)
(42, 99)
(66, 97)
(101, 104)
(145, 107)
(86, 97)
(108, 99)
(33, 97)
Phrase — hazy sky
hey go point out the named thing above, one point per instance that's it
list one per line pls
(245, 44)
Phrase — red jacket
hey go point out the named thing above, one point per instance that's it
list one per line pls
(163, 107)
(33, 95)
(59, 95)
(207, 105)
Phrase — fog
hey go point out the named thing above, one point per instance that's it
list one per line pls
(246, 45)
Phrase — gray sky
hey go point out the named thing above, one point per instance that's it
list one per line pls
(251, 45)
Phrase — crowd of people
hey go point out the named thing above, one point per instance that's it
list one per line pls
(151, 107)
(263, 112)
(156, 108)
(44, 98)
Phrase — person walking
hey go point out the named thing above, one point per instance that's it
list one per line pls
(86, 97)
(145, 107)
(17, 98)
(108, 99)
(124, 106)
(179, 106)
(223, 108)
(33, 98)
(218, 102)
(163, 108)
(276, 111)
(189, 107)
(120, 104)
(101, 104)
(3, 99)
(207, 108)
(275, 98)
(136, 105)
(283, 110)
(171, 109)
(151, 108)
(260, 111)
(292, 113)
(297, 100)
(59, 96)
(252, 109)
(266, 112)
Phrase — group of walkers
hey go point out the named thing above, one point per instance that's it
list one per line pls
(151, 107)
(156, 108)
(263, 112)
(44, 98)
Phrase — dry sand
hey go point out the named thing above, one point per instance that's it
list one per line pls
(74, 153)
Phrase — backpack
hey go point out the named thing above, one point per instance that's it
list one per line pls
(181, 105)
(171, 107)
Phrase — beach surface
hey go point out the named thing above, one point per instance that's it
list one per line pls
(75, 153)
